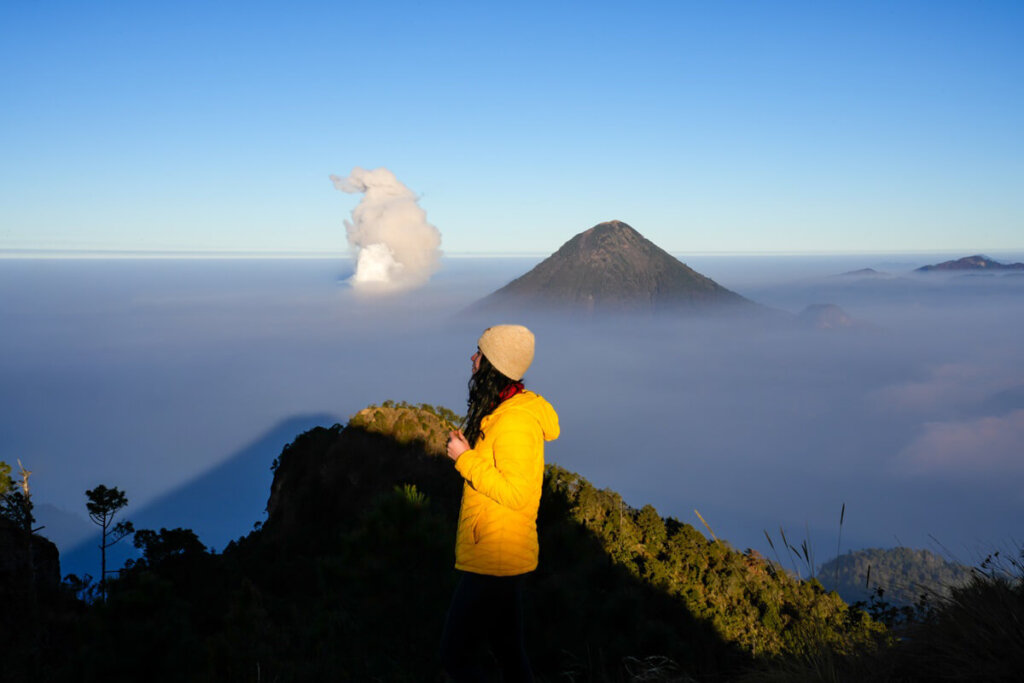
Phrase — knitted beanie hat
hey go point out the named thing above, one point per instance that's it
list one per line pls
(509, 348)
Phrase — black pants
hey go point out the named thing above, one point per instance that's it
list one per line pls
(485, 610)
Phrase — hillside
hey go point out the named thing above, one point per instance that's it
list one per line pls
(664, 589)
(612, 268)
(350, 577)
(713, 588)
(904, 574)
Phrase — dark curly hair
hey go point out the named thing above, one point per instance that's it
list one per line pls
(485, 387)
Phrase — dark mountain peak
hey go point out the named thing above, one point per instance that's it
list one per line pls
(605, 235)
(612, 226)
(976, 262)
(611, 268)
(611, 239)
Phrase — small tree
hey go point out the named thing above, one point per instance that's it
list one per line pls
(103, 505)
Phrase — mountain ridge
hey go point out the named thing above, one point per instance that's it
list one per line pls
(976, 262)
(350, 577)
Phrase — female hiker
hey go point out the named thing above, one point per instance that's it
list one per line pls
(500, 455)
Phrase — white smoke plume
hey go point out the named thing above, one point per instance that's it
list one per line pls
(396, 247)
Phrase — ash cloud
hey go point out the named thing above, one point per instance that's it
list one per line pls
(396, 248)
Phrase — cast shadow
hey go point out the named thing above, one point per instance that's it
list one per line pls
(219, 505)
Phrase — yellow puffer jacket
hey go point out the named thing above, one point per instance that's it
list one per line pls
(504, 474)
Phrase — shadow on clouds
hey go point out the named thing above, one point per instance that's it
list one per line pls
(220, 504)
(142, 375)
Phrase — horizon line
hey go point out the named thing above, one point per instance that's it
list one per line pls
(59, 253)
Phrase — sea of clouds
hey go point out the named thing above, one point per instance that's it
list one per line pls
(180, 380)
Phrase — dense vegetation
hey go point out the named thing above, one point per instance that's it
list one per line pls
(903, 575)
(350, 577)
(5, 477)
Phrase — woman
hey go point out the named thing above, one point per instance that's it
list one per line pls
(501, 459)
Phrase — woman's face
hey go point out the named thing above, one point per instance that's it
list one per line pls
(476, 360)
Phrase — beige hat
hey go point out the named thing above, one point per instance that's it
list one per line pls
(509, 348)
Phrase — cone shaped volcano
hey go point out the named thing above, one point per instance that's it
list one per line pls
(611, 268)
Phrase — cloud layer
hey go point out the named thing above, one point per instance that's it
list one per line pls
(975, 448)
(146, 374)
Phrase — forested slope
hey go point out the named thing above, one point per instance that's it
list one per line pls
(350, 578)
(903, 574)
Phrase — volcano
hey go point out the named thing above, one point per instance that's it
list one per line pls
(612, 268)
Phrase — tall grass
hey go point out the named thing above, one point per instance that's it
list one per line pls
(805, 553)
(973, 633)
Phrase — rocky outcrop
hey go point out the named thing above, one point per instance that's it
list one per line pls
(29, 579)
(26, 557)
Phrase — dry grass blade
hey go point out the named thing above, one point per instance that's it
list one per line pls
(839, 540)
(776, 552)
(706, 526)
(793, 552)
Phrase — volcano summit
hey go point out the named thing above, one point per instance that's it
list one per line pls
(612, 268)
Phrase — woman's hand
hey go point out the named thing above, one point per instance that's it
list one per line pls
(457, 444)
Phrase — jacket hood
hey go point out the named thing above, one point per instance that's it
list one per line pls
(537, 407)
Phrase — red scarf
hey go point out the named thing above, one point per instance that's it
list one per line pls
(511, 390)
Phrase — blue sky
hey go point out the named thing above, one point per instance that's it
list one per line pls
(726, 126)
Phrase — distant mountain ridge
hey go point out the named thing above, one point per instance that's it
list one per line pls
(612, 268)
(862, 272)
(976, 262)
(903, 573)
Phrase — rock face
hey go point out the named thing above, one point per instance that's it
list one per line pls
(27, 559)
(29, 583)
(976, 262)
(611, 268)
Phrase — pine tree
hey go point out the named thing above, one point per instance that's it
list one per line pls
(103, 505)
